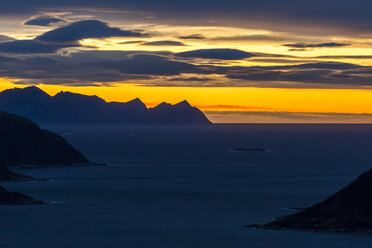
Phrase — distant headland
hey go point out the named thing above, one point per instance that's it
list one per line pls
(348, 210)
(72, 108)
(23, 143)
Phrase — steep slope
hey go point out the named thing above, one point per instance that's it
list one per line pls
(22, 142)
(349, 210)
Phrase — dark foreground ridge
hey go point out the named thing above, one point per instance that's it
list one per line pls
(15, 198)
(71, 108)
(23, 143)
(9, 176)
(349, 210)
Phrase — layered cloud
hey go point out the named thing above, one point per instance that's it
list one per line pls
(5, 38)
(67, 36)
(317, 45)
(91, 68)
(317, 15)
(170, 69)
(83, 30)
(310, 46)
(30, 46)
(192, 37)
(317, 73)
(288, 117)
(224, 54)
(175, 63)
(163, 43)
(41, 20)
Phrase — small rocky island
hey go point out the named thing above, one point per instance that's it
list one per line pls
(349, 210)
(23, 143)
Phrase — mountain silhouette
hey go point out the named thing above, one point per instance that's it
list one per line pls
(72, 108)
(16, 198)
(22, 142)
(348, 210)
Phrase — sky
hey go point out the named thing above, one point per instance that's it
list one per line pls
(275, 61)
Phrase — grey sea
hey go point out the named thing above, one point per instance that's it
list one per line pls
(173, 187)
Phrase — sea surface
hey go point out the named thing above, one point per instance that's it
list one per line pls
(173, 187)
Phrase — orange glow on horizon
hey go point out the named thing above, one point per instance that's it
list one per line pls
(229, 98)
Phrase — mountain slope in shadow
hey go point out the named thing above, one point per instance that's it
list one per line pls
(10, 176)
(348, 210)
(22, 142)
(72, 108)
(16, 198)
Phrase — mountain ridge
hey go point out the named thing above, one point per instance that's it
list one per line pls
(73, 108)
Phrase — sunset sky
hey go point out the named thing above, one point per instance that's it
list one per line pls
(241, 61)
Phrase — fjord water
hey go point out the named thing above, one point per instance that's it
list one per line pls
(184, 187)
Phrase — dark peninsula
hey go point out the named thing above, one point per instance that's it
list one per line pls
(348, 210)
(16, 198)
(23, 143)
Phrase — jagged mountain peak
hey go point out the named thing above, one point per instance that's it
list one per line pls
(163, 105)
(67, 95)
(136, 101)
(30, 91)
(184, 104)
(73, 108)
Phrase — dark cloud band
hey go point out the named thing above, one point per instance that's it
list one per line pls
(43, 20)
(67, 36)
(317, 45)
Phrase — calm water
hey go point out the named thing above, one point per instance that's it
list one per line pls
(183, 187)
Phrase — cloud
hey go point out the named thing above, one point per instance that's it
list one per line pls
(147, 64)
(298, 49)
(41, 20)
(163, 43)
(83, 30)
(344, 57)
(224, 54)
(254, 37)
(192, 37)
(223, 107)
(30, 47)
(168, 69)
(190, 79)
(317, 45)
(288, 117)
(131, 42)
(88, 68)
(67, 36)
(280, 60)
(5, 38)
(326, 16)
(317, 73)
